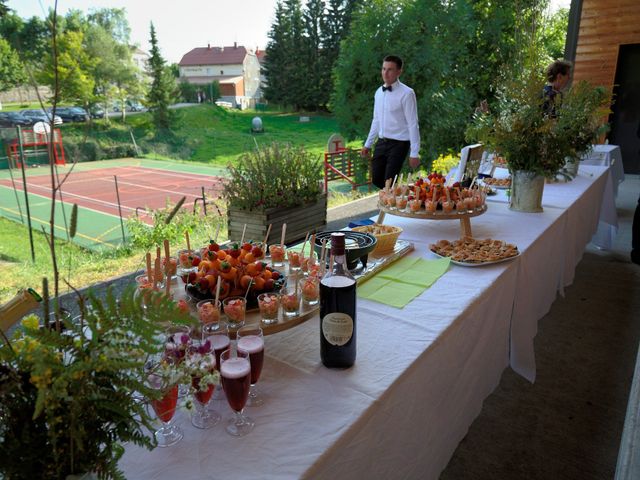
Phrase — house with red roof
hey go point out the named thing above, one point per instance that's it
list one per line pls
(235, 68)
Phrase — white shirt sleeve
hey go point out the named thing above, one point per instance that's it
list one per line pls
(410, 108)
(375, 126)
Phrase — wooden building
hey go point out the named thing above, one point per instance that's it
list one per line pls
(603, 41)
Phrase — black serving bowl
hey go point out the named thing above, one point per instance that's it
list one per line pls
(358, 245)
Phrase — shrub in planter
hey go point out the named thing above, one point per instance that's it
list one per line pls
(269, 184)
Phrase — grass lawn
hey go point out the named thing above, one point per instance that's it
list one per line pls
(210, 134)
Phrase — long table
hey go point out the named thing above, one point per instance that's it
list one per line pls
(422, 372)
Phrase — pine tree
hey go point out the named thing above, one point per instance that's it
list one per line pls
(317, 81)
(276, 59)
(161, 91)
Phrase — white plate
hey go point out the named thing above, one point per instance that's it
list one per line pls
(476, 264)
(497, 187)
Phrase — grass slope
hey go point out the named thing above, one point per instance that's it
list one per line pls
(208, 133)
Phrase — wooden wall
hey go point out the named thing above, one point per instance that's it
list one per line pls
(604, 26)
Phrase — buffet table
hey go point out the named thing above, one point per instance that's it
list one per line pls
(421, 372)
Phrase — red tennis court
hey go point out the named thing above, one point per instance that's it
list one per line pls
(139, 187)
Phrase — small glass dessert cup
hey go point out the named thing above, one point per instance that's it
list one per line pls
(209, 316)
(277, 253)
(170, 268)
(311, 290)
(269, 304)
(201, 364)
(290, 299)
(401, 202)
(235, 309)
(251, 341)
(235, 374)
(165, 408)
(295, 261)
(415, 205)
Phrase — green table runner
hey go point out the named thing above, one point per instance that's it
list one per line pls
(403, 281)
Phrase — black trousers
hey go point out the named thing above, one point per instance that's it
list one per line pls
(388, 157)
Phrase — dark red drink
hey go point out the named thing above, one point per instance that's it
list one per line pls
(220, 343)
(254, 346)
(236, 380)
(165, 407)
(202, 396)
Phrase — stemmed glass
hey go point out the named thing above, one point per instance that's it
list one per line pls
(175, 349)
(201, 364)
(165, 408)
(235, 372)
(251, 341)
(219, 342)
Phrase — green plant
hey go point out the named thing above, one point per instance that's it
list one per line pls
(66, 396)
(145, 237)
(518, 129)
(580, 117)
(275, 176)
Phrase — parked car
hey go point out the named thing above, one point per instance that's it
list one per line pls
(97, 111)
(39, 115)
(12, 119)
(134, 106)
(72, 114)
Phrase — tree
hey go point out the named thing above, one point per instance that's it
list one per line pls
(463, 47)
(162, 86)
(11, 71)
(75, 80)
(317, 84)
(554, 34)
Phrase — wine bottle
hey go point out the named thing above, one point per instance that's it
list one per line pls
(338, 310)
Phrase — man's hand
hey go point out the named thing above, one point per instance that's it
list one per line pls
(364, 153)
(414, 162)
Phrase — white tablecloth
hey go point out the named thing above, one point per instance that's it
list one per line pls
(607, 156)
(421, 373)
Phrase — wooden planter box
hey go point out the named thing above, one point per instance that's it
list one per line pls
(300, 220)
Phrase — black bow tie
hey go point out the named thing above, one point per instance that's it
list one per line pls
(390, 88)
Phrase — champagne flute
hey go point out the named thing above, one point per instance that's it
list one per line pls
(235, 372)
(250, 340)
(219, 342)
(201, 363)
(165, 408)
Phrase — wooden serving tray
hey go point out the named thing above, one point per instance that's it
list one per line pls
(465, 223)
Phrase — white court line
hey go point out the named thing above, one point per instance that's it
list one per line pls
(158, 171)
(89, 199)
(81, 206)
(156, 188)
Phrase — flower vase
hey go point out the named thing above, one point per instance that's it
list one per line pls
(526, 191)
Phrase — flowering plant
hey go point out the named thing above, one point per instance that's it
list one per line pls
(201, 364)
(444, 163)
(274, 176)
(67, 398)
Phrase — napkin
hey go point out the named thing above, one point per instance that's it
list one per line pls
(403, 281)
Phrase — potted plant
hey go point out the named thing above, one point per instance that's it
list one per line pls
(580, 121)
(524, 136)
(67, 399)
(272, 185)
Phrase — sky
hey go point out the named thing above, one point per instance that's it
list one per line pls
(182, 25)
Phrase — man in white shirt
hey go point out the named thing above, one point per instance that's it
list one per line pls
(395, 124)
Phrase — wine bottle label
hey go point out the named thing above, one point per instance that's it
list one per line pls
(337, 328)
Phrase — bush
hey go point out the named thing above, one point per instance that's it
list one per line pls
(275, 176)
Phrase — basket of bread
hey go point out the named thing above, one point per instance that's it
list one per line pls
(386, 235)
